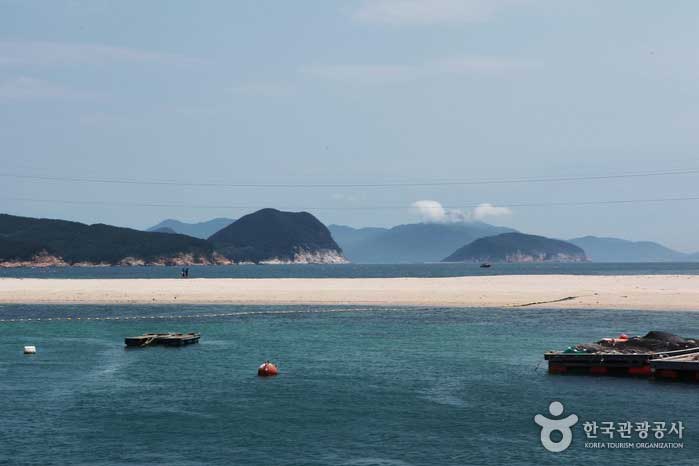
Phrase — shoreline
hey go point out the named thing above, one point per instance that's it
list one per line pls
(642, 292)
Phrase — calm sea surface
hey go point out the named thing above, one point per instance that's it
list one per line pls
(358, 386)
(356, 270)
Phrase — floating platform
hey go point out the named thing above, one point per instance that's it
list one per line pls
(627, 356)
(635, 365)
(681, 367)
(166, 339)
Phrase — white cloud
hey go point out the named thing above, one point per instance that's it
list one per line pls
(386, 74)
(26, 88)
(489, 210)
(62, 53)
(434, 212)
(423, 12)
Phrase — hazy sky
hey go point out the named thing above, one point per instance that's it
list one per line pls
(354, 92)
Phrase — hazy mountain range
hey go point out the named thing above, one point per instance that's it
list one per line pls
(432, 242)
(198, 230)
(273, 236)
(619, 250)
(416, 242)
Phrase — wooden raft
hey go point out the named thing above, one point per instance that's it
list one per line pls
(166, 339)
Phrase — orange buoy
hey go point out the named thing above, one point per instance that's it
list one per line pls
(267, 369)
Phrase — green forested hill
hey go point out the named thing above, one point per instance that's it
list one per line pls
(270, 234)
(22, 238)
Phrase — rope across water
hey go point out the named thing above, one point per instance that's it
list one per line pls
(197, 316)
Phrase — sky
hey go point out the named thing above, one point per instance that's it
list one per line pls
(363, 112)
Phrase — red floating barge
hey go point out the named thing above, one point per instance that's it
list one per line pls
(635, 365)
(681, 367)
(657, 354)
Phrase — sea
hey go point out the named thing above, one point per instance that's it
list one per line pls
(357, 385)
(359, 270)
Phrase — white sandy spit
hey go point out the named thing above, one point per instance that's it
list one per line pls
(657, 292)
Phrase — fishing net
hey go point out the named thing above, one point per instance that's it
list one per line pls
(652, 342)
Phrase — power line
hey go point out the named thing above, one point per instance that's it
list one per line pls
(351, 185)
(358, 208)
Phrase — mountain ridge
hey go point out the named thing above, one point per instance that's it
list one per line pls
(610, 249)
(26, 240)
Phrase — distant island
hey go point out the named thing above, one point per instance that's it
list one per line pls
(266, 236)
(517, 247)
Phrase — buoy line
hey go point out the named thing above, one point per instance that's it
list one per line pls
(203, 316)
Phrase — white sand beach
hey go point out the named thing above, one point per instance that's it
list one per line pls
(651, 292)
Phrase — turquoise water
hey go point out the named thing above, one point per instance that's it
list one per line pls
(358, 270)
(358, 386)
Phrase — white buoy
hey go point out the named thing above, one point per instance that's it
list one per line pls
(30, 350)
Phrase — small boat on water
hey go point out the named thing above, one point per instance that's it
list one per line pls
(485, 265)
(166, 339)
